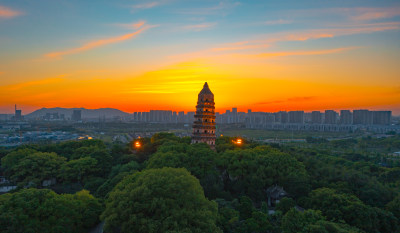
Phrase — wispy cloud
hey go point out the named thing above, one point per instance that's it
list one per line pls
(7, 13)
(300, 53)
(97, 43)
(277, 22)
(366, 14)
(146, 5)
(239, 46)
(134, 25)
(308, 35)
(355, 14)
(221, 8)
(260, 44)
(35, 83)
(199, 27)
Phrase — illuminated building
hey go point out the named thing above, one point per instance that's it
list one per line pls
(204, 118)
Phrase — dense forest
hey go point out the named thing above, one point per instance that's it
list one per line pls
(170, 185)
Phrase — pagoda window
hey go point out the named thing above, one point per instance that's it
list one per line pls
(205, 131)
(205, 120)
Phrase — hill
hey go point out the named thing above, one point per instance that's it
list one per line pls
(86, 113)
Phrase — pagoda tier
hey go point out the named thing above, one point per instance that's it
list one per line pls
(204, 118)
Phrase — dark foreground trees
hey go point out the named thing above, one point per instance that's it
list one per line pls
(42, 210)
(160, 200)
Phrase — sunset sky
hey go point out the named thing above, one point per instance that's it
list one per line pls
(142, 55)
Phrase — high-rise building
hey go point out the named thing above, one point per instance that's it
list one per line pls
(316, 117)
(282, 117)
(346, 117)
(181, 117)
(382, 117)
(76, 115)
(330, 117)
(362, 117)
(296, 117)
(18, 114)
(204, 119)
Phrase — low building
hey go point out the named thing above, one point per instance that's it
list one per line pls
(275, 194)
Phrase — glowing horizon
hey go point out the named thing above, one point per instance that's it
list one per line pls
(156, 55)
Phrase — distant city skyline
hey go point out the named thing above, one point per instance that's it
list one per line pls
(221, 111)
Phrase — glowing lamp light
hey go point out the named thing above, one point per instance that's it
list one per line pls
(137, 144)
(238, 141)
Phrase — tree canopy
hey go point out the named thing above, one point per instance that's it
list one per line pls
(42, 210)
(160, 200)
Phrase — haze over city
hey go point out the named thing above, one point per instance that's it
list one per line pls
(143, 55)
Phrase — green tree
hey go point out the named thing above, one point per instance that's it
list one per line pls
(312, 221)
(117, 173)
(42, 210)
(160, 200)
(345, 207)
(245, 207)
(228, 219)
(30, 167)
(199, 159)
(251, 171)
(10, 161)
(394, 207)
(258, 222)
(102, 155)
(78, 169)
(285, 204)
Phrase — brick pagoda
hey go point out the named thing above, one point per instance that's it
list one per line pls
(204, 119)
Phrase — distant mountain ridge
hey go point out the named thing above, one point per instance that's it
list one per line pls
(86, 113)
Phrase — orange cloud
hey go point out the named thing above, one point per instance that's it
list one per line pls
(301, 53)
(135, 25)
(97, 43)
(366, 14)
(6, 12)
(199, 27)
(15, 87)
